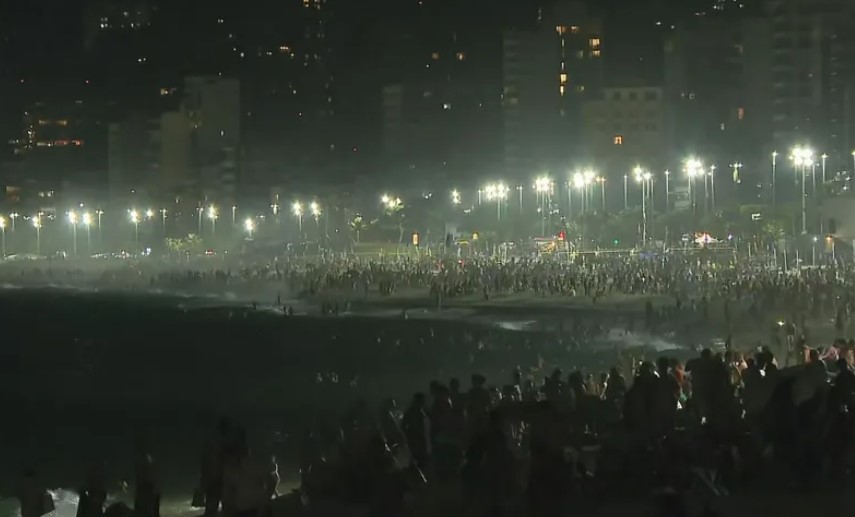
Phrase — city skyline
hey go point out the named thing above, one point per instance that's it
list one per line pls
(232, 103)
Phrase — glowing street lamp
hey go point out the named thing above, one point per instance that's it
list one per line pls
(455, 197)
(212, 215)
(163, 213)
(694, 168)
(297, 210)
(87, 222)
(643, 177)
(234, 214)
(543, 189)
(774, 166)
(249, 226)
(37, 224)
(736, 166)
(497, 192)
(199, 210)
(13, 216)
(72, 219)
(602, 181)
(3, 230)
(135, 218)
(149, 213)
(802, 158)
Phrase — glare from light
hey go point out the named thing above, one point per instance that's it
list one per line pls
(135, 216)
(315, 208)
(694, 167)
(455, 197)
(249, 225)
(72, 217)
(2, 223)
(212, 213)
(149, 213)
(87, 219)
(802, 156)
(297, 208)
(542, 185)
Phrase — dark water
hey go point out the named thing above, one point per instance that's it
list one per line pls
(85, 376)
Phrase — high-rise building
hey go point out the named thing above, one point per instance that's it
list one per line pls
(813, 68)
(548, 73)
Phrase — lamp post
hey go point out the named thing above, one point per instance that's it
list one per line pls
(315, 210)
(736, 166)
(163, 212)
(602, 181)
(234, 215)
(13, 216)
(712, 187)
(213, 215)
(37, 223)
(802, 158)
(455, 198)
(774, 164)
(3, 230)
(249, 226)
(824, 159)
(643, 177)
(520, 192)
(72, 219)
(497, 192)
(694, 168)
(543, 188)
(667, 191)
(87, 222)
(297, 210)
(135, 218)
(199, 210)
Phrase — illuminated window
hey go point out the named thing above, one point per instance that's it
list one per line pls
(740, 113)
(62, 123)
(562, 78)
(44, 122)
(561, 90)
(446, 106)
(164, 92)
(595, 42)
(574, 29)
(561, 29)
(618, 140)
(595, 53)
(435, 56)
(461, 56)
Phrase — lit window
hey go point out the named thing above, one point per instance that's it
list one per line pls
(740, 113)
(446, 106)
(435, 56)
(461, 56)
(561, 90)
(595, 42)
(574, 29)
(561, 29)
(44, 122)
(562, 78)
(595, 53)
(618, 140)
(62, 123)
(164, 92)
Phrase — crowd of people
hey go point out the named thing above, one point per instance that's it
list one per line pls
(778, 394)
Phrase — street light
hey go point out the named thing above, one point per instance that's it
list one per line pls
(625, 191)
(199, 210)
(643, 177)
(455, 197)
(72, 219)
(13, 216)
(87, 222)
(212, 215)
(234, 214)
(712, 187)
(249, 225)
(694, 168)
(774, 166)
(736, 166)
(543, 190)
(602, 181)
(163, 212)
(135, 218)
(37, 223)
(497, 192)
(3, 229)
(802, 158)
(297, 210)
(667, 191)
(149, 213)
